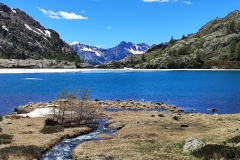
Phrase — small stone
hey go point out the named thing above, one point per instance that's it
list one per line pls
(169, 128)
(212, 109)
(184, 125)
(160, 115)
(238, 145)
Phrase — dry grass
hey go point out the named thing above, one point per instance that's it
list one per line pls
(145, 135)
(26, 131)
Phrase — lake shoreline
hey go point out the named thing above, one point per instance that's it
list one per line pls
(22, 71)
(139, 119)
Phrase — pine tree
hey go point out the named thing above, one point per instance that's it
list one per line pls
(232, 46)
(237, 51)
(231, 27)
(172, 40)
(143, 58)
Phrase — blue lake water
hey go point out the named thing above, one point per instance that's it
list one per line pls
(188, 89)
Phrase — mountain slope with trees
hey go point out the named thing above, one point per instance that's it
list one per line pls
(215, 45)
(21, 37)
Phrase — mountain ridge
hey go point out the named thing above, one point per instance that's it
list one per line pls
(96, 56)
(215, 45)
(22, 37)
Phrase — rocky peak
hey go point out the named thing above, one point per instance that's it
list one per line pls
(233, 15)
(4, 8)
(22, 37)
(96, 56)
(25, 18)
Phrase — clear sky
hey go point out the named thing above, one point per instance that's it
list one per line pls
(106, 23)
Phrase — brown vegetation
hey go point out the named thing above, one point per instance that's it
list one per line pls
(148, 136)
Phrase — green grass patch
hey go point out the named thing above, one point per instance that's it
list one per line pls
(148, 146)
(52, 129)
(6, 138)
(28, 152)
(175, 118)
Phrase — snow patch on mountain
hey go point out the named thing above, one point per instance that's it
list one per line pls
(5, 28)
(91, 50)
(39, 31)
(95, 56)
(135, 51)
(14, 11)
(74, 43)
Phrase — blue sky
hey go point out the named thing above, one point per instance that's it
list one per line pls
(105, 23)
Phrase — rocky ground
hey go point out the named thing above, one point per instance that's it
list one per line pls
(145, 131)
(43, 63)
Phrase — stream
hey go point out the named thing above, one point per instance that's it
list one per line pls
(63, 150)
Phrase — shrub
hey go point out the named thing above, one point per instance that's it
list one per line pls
(235, 139)
(175, 118)
(6, 138)
(20, 111)
(52, 129)
(1, 118)
(29, 152)
(214, 151)
(50, 122)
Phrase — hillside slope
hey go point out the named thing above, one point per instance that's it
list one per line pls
(21, 37)
(215, 45)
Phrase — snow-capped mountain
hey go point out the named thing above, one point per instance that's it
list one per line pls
(95, 56)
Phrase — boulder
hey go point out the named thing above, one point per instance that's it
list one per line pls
(212, 109)
(192, 144)
(116, 126)
(167, 113)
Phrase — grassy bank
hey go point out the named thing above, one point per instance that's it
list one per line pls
(148, 136)
(28, 139)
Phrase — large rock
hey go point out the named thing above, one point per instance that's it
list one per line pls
(192, 144)
(167, 113)
(115, 125)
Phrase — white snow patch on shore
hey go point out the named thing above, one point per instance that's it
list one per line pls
(39, 112)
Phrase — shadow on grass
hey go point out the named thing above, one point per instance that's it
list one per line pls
(214, 151)
(28, 152)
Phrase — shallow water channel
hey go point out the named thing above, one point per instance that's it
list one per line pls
(63, 150)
